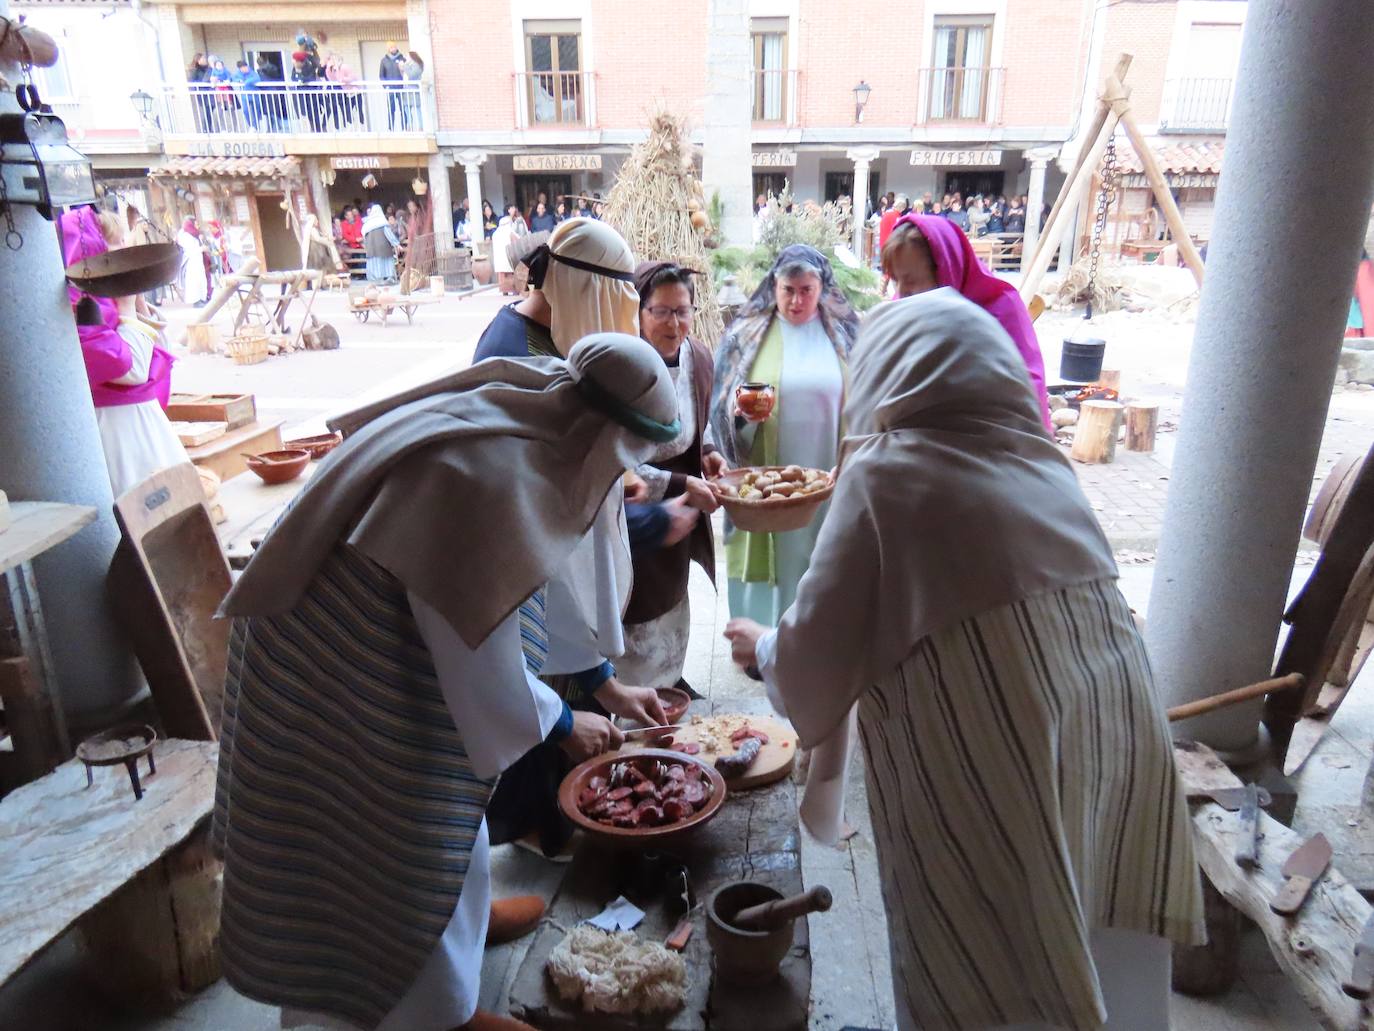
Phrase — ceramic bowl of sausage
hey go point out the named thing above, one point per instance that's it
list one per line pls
(644, 798)
(773, 498)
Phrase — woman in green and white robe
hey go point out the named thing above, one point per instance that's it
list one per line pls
(796, 333)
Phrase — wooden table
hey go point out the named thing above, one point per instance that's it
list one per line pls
(755, 837)
(250, 508)
(224, 455)
(36, 526)
(71, 853)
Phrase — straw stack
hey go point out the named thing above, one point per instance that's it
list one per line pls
(658, 205)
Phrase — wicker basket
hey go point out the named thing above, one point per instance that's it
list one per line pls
(249, 346)
(769, 516)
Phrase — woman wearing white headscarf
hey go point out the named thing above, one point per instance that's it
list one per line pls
(380, 244)
(379, 680)
(1033, 840)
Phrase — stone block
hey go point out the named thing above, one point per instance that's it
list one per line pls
(1358, 364)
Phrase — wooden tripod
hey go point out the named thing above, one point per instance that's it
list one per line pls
(1113, 108)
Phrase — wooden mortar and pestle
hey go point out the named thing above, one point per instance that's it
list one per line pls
(749, 926)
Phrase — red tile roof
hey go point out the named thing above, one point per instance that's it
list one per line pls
(253, 168)
(1173, 157)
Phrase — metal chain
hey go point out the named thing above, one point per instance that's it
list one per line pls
(1105, 196)
(14, 239)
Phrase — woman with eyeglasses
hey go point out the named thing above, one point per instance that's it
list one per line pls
(668, 531)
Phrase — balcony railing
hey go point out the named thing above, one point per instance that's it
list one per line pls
(1195, 105)
(961, 94)
(773, 96)
(556, 98)
(289, 108)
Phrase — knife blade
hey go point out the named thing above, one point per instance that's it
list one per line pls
(1246, 855)
(1360, 984)
(1307, 863)
(1230, 799)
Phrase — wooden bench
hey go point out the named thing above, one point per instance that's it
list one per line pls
(134, 876)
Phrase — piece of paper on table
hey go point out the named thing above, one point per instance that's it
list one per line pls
(620, 915)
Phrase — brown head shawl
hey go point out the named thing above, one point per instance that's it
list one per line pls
(475, 495)
(951, 501)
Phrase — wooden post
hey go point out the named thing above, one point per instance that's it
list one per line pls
(1163, 195)
(1123, 64)
(1142, 422)
(1094, 443)
(1031, 281)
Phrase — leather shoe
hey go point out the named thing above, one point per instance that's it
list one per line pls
(513, 918)
(483, 1021)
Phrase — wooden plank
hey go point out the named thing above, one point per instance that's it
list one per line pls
(754, 837)
(64, 847)
(225, 455)
(37, 526)
(194, 434)
(171, 562)
(1314, 949)
(236, 410)
(31, 724)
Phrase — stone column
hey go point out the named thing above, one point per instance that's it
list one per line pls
(1035, 201)
(863, 158)
(726, 166)
(51, 451)
(471, 161)
(441, 203)
(1264, 356)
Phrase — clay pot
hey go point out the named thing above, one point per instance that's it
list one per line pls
(481, 270)
(275, 467)
(639, 837)
(756, 400)
(745, 957)
(318, 446)
(675, 702)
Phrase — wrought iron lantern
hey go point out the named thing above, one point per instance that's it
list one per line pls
(143, 103)
(861, 92)
(37, 164)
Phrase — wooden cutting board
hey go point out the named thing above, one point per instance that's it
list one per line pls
(775, 759)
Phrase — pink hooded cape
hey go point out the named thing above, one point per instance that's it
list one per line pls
(104, 351)
(957, 266)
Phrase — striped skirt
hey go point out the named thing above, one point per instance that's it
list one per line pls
(346, 807)
(1023, 793)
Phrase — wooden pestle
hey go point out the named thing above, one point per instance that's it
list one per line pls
(768, 916)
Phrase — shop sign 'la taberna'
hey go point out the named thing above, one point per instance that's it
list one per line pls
(37, 165)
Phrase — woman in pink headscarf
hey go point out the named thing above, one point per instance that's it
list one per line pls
(129, 373)
(925, 252)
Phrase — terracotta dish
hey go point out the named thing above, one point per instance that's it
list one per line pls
(579, 779)
(275, 467)
(126, 270)
(772, 515)
(318, 446)
(675, 702)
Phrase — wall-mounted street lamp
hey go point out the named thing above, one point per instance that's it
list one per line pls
(861, 92)
(143, 103)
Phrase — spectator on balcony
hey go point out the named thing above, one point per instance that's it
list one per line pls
(224, 104)
(272, 103)
(392, 74)
(542, 220)
(305, 72)
(381, 244)
(414, 69)
(340, 93)
(202, 103)
(352, 228)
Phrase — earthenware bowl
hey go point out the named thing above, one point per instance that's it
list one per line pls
(275, 467)
(639, 837)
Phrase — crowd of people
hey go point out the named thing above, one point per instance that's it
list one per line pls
(317, 93)
(542, 216)
(397, 704)
(977, 215)
(383, 235)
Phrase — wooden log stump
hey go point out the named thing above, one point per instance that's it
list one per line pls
(1142, 423)
(1094, 443)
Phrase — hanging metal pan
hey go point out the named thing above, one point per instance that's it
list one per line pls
(127, 270)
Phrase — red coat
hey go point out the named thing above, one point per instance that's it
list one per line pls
(353, 234)
(885, 226)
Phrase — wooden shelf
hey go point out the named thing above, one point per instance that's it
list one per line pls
(37, 526)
